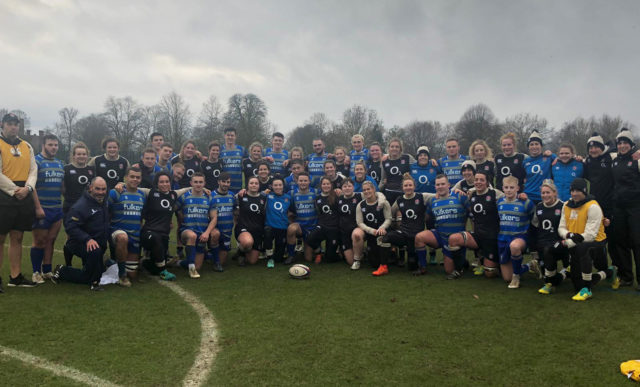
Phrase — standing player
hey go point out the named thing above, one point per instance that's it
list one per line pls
(341, 160)
(509, 162)
(189, 158)
(515, 217)
(423, 172)
(264, 175)
(18, 176)
(566, 170)
(374, 163)
(360, 176)
(110, 166)
(393, 168)
(537, 167)
(374, 218)
(77, 177)
(49, 198)
(483, 211)
(212, 166)
(276, 223)
(291, 181)
(157, 143)
(452, 162)
(232, 155)
(315, 161)
(126, 219)
(164, 157)
(276, 155)
(250, 211)
(304, 210)
(222, 204)
(481, 154)
(359, 152)
(149, 167)
(449, 216)
(194, 210)
(249, 165)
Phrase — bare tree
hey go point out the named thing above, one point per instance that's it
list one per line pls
(418, 133)
(91, 130)
(248, 115)
(522, 125)
(303, 136)
(362, 120)
(177, 118)
(477, 122)
(66, 126)
(209, 125)
(124, 118)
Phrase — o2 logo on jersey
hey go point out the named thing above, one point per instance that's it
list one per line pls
(374, 175)
(190, 172)
(345, 209)
(277, 206)
(536, 169)
(505, 171)
(326, 210)
(411, 214)
(423, 179)
(371, 217)
(164, 203)
(112, 174)
(547, 225)
(394, 170)
(479, 209)
(82, 179)
(254, 208)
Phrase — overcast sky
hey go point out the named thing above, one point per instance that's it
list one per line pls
(408, 60)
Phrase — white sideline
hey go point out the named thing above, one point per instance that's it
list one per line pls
(57, 369)
(203, 363)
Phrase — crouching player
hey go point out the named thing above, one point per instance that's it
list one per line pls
(249, 231)
(413, 208)
(222, 203)
(483, 210)
(515, 216)
(582, 228)
(328, 227)
(306, 217)
(549, 245)
(449, 214)
(126, 219)
(194, 210)
(275, 232)
(373, 216)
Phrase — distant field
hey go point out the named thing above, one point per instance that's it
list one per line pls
(338, 327)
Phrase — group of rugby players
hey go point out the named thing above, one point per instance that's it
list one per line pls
(277, 203)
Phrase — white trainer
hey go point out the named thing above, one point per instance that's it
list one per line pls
(515, 282)
(355, 265)
(37, 278)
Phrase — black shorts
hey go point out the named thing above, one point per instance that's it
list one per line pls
(17, 215)
(258, 235)
(487, 247)
(345, 239)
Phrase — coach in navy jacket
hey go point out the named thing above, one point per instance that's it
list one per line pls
(87, 224)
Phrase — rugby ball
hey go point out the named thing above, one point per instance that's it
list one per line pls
(299, 271)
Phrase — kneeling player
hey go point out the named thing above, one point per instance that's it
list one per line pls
(582, 228)
(275, 232)
(249, 230)
(223, 202)
(194, 211)
(515, 216)
(306, 217)
(449, 215)
(327, 229)
(483, 210)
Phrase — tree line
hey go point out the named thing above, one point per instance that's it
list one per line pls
(132, 123)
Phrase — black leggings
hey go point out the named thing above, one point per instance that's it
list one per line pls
(378, 255)
(626, 227)
(584, 257)
(550, 254)
(332, 238)
(158, 245)
(277, 236)
(402, 239)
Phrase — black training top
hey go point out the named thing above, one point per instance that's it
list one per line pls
(158, 211)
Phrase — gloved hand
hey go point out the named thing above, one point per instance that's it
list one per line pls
(577, 238)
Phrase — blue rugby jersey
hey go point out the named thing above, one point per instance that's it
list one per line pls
(277, 210)
(425, 177)
(537, 169)
(49, 184)
(195, 211)
(357, 186)
(290, 183)
(232, 161)
(357, 156)
(564, 174)
(126, 212)
(223, 205)
(304, 206)
(515, 217)
(451, 168)
(315, 165)
(278, 159)
(449, 214)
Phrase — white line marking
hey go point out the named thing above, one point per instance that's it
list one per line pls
(57, 369)
(206, 355)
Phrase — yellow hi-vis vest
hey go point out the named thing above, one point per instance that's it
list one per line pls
(576, 219)
(16, 168)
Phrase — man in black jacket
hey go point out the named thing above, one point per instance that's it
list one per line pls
(87, 224)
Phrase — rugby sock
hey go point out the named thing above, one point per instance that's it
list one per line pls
(179, 250)
(46, 268)
(191, 254)
(68, 255)
(215, 254)
(516, 262)
(37, 255)
(122, 269)
(459, 259)
(291, 249)
(586, 280)
(421, 252)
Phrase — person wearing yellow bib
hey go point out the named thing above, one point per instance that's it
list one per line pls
(582, 230)
(18, 176)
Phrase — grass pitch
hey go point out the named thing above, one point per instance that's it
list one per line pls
(338, 327)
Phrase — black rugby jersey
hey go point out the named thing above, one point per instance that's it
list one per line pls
(112, 171)
(252, 212)
(328, 214)
(76, 180)
(211, 171)
(393, 170)
(510, 166)
(548, 222)
(372, 214)
(191, 166)
(483, 211)
(489, 168)
(249, 169)
(347, 211)
(374, 169)
(627, 180)
(158, 211)
(413, 213)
